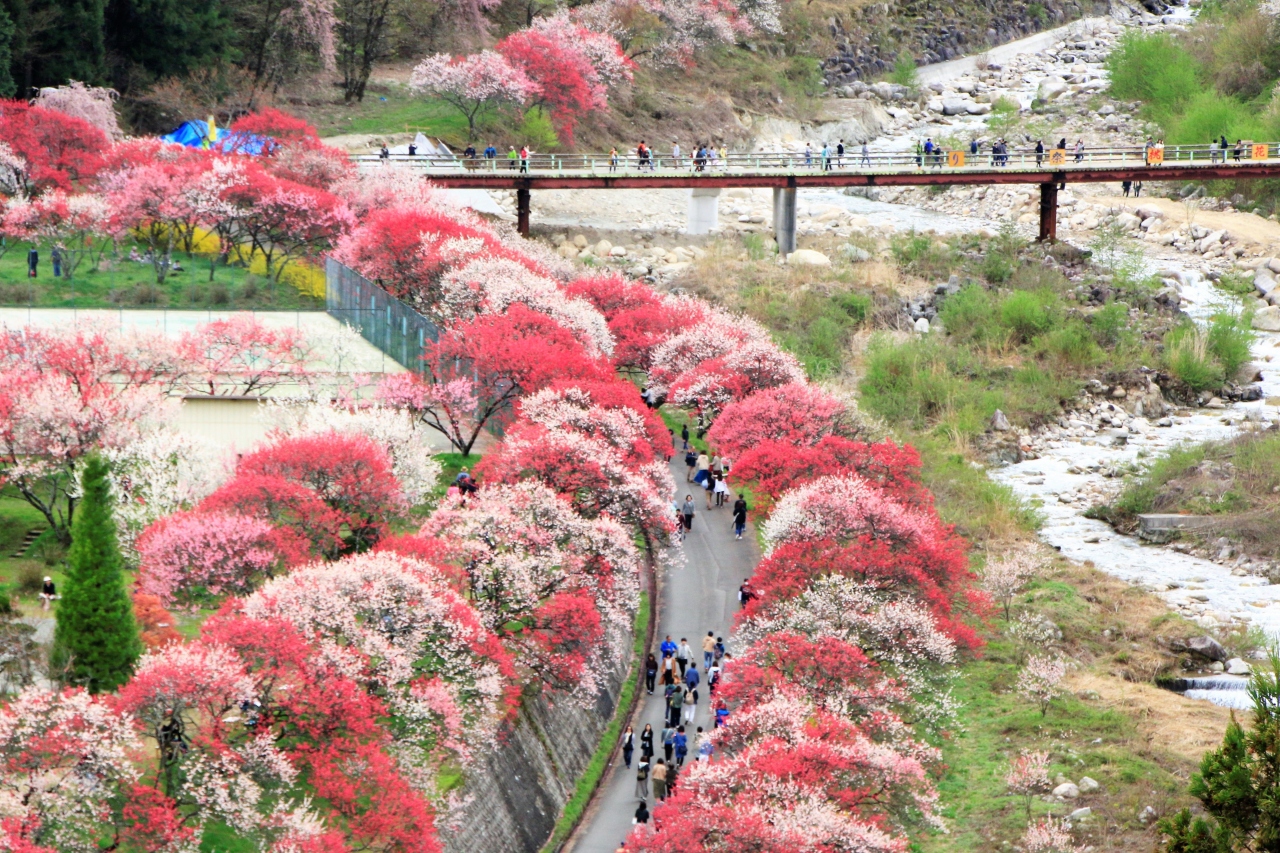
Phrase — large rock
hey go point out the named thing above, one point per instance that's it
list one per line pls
(999, 422)
(1263, 281)
(1087, 785)
(602, 249)
(1127, 222)
(1273, 264)
(856, 254)
(1067, 790)
(883, 91)
(1267, 319)
(1207, 647)
(922, 325)
(979, 109)
(808, 258)
(1148, 211)
(955, 107)
(1237, 666)
(1050, 88)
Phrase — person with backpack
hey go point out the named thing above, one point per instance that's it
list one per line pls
(681, 745)
(642, 780)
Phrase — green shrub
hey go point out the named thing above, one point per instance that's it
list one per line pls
(28, 577)
(1004, 105)
(1110, 324)
(1229, 339)
(998, 268)
(1072, 345)
(970, 314)
(537, 131)
(1155, 69)
(904, 71)
(1028, 315)
(856, 305)
(1188, 359)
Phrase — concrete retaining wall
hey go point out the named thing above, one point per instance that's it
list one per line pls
(516, 791)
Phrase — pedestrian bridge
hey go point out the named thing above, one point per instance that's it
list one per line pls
(785, 172)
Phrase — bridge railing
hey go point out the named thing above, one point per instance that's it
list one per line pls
(853, 160)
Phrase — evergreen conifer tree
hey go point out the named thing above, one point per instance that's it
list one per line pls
(96, 640)
(1238, 782)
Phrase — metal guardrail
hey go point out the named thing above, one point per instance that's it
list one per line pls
(790, 162)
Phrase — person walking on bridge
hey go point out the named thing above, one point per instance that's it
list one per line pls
(1039, 153)
(866, 156)
(1213, 151)
(613, 159)
(808, 155)
(1079, 150)
(524, 159)
(840, 154)
(675, 154)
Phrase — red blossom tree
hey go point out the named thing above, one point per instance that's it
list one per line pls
(477, 371)
(638, 318)
(798, 414)
(241, 356)
(350, 473)
(564, 81)
(58, 150)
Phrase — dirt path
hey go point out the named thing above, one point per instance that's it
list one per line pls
(1246, 226)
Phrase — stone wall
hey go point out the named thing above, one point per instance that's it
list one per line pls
(516, 791)
(870, 37)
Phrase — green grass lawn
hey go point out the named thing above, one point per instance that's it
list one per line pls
(391, 109)
(128, 284)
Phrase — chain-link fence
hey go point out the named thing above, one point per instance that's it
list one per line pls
(382, 320)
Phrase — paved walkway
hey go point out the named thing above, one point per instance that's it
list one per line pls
(700, 596)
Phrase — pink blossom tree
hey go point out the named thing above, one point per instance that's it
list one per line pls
(242, 356)
(797, 414)
(74, 225)
(194, 558)
(153, 201)
(1005, 577)
(1028, 776)
(472, 84)
(541, 576)
(1040, 681)
(423, 646)
(1048, 835)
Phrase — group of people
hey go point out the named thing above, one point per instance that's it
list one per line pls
(1218, 149)
(709, 472)
(829, 157)
(463, 486)
(681, 680)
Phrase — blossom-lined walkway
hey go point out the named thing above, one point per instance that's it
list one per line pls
(697, 597)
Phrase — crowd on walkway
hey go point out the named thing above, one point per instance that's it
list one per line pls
(709, 472)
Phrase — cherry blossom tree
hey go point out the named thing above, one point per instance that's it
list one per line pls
(1048, 835)
(611, 412)
(541, 576)
(478, 370)
(589, 473)
(1040, 681)
(796, 414)
(193, 557)
(92, 104)
(473, 84)
(1005, 577)
(73, 225)
(63, 395)
(63, 756)
(1028, 776)
(241, 356)
(570, 66)
(162, 472)
(747, 368)
(303, 526)
(308, 698)
(443, 674)
(153, 201)
(901, 637)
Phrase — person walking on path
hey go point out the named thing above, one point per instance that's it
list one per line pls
(1125, 186)
(691, 460)
(675, 704)
(690, 709)
(709, 487)
(659, 775)
(703, 466)
(682, 746)
(687, 511)
(722, 490)
(650, 673)
(646, 743)
(684, 436)
(744, 592)
(628, 745)
(642, 812)
(739, 515)
(668, 670)
(708, 649)
(668, 647)
(642, 780)
(668, 742)
(691, 678)
(683, 655)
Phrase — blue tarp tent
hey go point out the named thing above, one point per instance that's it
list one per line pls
(192, 134)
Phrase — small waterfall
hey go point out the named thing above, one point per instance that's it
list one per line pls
(1229, 691)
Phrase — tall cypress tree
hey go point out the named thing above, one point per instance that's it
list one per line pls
(96, 640)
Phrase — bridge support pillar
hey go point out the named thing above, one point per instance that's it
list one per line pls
(522, 212)
(784, 219)
(1048, 213)
(704, 210)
